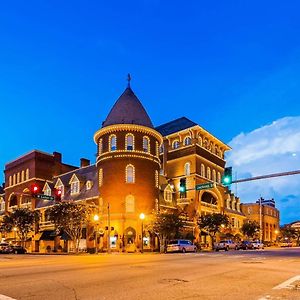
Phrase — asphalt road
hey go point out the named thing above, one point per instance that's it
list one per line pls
(258, 275)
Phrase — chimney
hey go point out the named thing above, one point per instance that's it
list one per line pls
(84, 162)
(57, 156)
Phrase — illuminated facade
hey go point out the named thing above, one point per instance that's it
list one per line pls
(266, 215)
(138, 169)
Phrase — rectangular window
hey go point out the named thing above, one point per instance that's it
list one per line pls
(75, 187)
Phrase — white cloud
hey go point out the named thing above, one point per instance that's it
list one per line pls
(270, 149)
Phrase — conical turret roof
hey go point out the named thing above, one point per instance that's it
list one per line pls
(128, 110)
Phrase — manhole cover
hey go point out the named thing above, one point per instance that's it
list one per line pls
(252, 262)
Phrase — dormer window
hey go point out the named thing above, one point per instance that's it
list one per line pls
(60, 186)
(89, 184)
(47, 189)
(112, 143)
(75, 187)
(129, 142)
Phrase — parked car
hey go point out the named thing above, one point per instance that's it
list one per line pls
(245, 245)
(5, 248)
(285, 244)
(225, 245)
(181, 246)
(257, 245)
(18, 250)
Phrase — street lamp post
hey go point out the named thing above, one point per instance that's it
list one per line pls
(96, 219)
(142, 217)
(15, 232)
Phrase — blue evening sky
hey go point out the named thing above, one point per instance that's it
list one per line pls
(231, 66)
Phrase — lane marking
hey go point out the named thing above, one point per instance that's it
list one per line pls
(3, 297)
(287, 284)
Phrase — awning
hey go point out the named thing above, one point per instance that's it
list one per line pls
(65, 237)
(48, 235)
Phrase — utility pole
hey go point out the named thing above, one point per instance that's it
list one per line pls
(108, 220)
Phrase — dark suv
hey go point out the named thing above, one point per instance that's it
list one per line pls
(245, 245)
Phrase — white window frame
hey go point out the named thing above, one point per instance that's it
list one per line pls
(130, 179)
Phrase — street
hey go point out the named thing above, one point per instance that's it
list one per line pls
(240, 274)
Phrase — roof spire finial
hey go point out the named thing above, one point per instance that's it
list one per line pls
(128, 79)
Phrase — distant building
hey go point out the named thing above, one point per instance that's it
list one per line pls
(266, 214)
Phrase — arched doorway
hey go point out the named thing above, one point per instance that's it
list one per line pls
(13, 201)
(209, 198)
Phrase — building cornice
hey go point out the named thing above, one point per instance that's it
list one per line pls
(127, 127)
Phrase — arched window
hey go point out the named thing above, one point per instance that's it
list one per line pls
(18, 177)
(208, 173)
(14, 179)
(219, 177)
(161, 148)
(187, 169)
(129, 204)
(10, 181)
(27, 174)
(100, 147)
(146, 144)
(200, 140)
(202, 170)
(100, 177)
(156, 178)
(187, 141)
(13, 201)
(129, 142)
(112, 143)
(168, 195)
(214, 175)
(176, 144)
(22, 176)
(130, 174)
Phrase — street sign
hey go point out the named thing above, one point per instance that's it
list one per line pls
(45, 197)
(204, 186)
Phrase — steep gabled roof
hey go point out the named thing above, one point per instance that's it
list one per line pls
(128, 110)
(175, 126)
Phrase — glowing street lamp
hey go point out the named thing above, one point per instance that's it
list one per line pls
(96, 219)
(142, 217)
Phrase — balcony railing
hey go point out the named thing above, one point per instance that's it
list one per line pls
(46, 225)
(210, 205)
(184, 200)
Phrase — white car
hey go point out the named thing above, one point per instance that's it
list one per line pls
(181, 246)
(258, 245)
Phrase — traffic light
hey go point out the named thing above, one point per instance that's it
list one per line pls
(35, 190)
(182, 188)
(227, 176)
(58, 194)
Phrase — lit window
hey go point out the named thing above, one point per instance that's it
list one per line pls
(14, 179)
(113, 143)
(187, 169)
(129, 142)
(202, 170)
(60, 186)
(208, 173)
(176, 144)
(18, 177)
(157, 148)
(130, 174)
(214, 175)
(89, 184)
(187, 141)
(47, 190)
(10, 181)
(161, 148)
(146, 144)
(100, 177)
(219, 177)
(27, 174)
(129, 204)
(200, 141)
(22, 176)
(100, 147)
(2, 205)
(168, 194)
(75, 187)
(156, 178)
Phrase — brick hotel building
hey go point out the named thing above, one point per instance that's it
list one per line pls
(138, 169)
